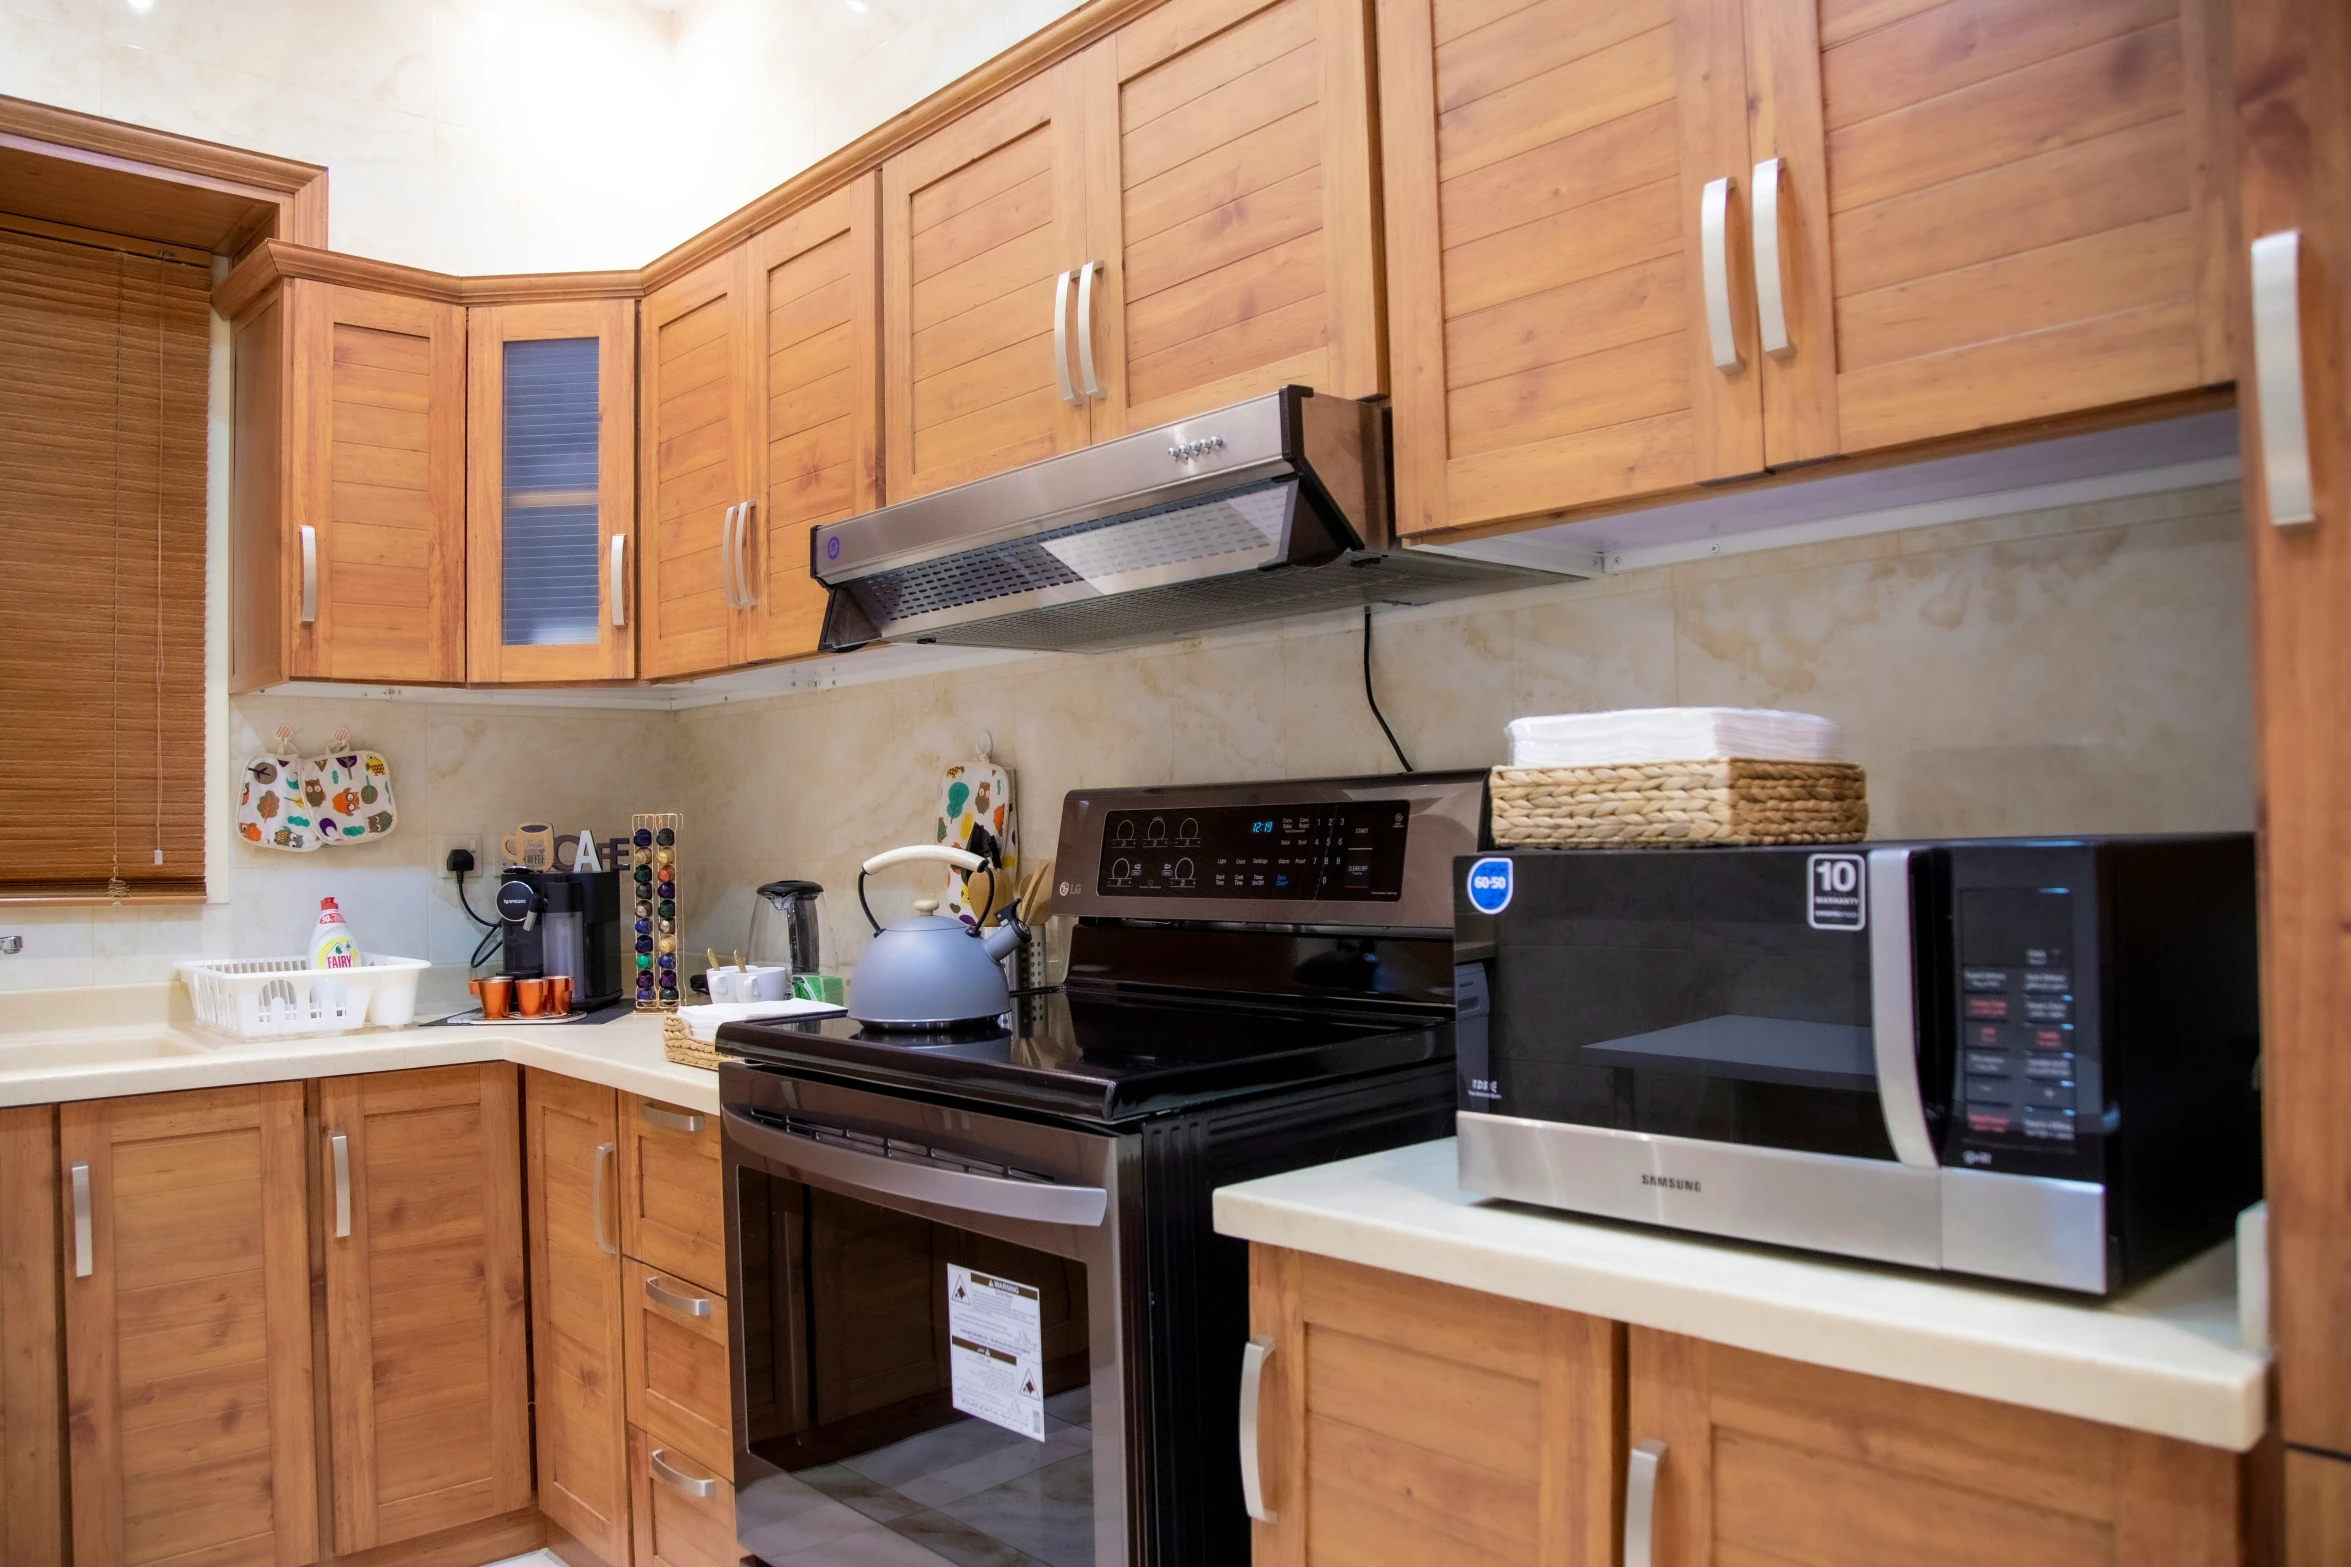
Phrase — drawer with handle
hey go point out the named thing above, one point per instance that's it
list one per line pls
(684, 1511)
(673, 1205)
(676, 1350)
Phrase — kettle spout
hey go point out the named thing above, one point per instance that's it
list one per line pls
(1002, 938)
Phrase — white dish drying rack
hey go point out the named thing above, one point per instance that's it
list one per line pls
(275, 998)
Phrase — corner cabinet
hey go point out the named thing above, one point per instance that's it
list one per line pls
(1635, 248)
(347, 493)
(551, 489)
(760, 409)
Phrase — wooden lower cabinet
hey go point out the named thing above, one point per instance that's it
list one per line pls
(1770, 1460)
(685, 1511)
(680, 1384)
(427, 1384)
(32, 1431)
(571, 1149)
(188, 1328)
(671, 1215)
(1414, 1423)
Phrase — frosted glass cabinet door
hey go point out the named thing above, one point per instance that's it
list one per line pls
(551, 483)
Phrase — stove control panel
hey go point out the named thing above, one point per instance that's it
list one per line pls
(1349, 851)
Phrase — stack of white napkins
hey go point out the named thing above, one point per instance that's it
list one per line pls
(1672, 734)
(702, 1022)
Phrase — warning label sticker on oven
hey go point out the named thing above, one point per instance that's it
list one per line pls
(995, 1344)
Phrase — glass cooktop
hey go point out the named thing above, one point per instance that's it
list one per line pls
(1099, 1057)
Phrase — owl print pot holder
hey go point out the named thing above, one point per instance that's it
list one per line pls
(301, 804)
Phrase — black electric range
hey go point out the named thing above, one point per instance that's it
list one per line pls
(1261, 978)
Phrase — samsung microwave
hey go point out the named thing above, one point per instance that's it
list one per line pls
(2034, 1060)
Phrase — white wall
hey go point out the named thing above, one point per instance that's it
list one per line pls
(477, 136)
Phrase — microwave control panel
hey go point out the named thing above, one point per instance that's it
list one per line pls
(2027, 1067)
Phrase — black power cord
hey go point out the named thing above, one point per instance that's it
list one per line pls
(1374, 701)
(460, 862)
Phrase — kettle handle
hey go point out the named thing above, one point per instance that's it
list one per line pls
(946, 853)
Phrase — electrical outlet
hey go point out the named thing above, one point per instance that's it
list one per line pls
(470, 842)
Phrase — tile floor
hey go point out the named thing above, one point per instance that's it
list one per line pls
(967, 1493)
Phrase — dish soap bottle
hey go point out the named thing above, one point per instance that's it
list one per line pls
(331, 945)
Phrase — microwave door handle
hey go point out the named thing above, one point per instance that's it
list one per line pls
(1893, 1008)
(1039, 1202)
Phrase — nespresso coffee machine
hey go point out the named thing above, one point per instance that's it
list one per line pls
(564, 922)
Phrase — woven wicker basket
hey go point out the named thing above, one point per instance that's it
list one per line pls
(683, 1048)
(1685, 804)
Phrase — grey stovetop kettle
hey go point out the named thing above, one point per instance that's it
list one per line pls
(931, 971)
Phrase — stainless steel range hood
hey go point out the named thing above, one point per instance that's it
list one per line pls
(1274, 507)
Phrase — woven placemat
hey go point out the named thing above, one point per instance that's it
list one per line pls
(683, 1048)
(1735, 800)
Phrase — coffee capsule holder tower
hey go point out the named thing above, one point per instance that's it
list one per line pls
(653, 876)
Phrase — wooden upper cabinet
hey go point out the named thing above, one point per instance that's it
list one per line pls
(420, 1204)
(1999, 211)
(979, 220)
(32, 1427)
(1404, 1422)
(1546, 169)
(551, 491)
(1230, 192)
(815, 352)
(695, 420)
(187, 1326)
(1768, 1460)
(573, 1186)
(376, 442)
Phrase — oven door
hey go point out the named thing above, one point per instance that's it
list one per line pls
(927, 1357)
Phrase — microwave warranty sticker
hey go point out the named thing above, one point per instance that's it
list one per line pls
(1836, 893)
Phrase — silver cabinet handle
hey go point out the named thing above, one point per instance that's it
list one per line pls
(676, 1480)
(620, 603)
(672, 1120)
(670, 1300)
(309, 574)
(742, 566)
(2277, 375)
(1061, 340)
(1771, 309)
(1254, 1355)
(604, 1153)
(1893, 1021)
(1087, 380)
(726, 555)
(1714, 243)
(339, 1149)
(82, 1250)
(1046, 1202)
(1640, 1501)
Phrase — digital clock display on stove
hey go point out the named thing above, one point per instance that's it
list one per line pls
(1331, 853)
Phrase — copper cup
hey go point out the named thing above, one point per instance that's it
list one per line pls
(530, 996)
(495, 992)
(558, 995)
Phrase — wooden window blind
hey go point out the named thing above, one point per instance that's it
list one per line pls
(103, 379)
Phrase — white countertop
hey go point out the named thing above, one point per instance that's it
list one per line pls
(55, 1047)
(2165, 1358)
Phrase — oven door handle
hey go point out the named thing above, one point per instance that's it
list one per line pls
(1038, 1202)
(1893, 1008)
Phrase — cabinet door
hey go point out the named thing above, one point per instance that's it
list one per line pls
(1407, 1422)
(551, 488)
(978, 221)
(685, 1513)
(2003, 211)
(1230, 191)
(1546, 173)
(377, 416)
(573, 1182)
(1770, 1460)
(680, 1390)
(694, 388)
(32, 1428)
(428, 1392)
(816, 349)
(187, 1328)
(672, 1202)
